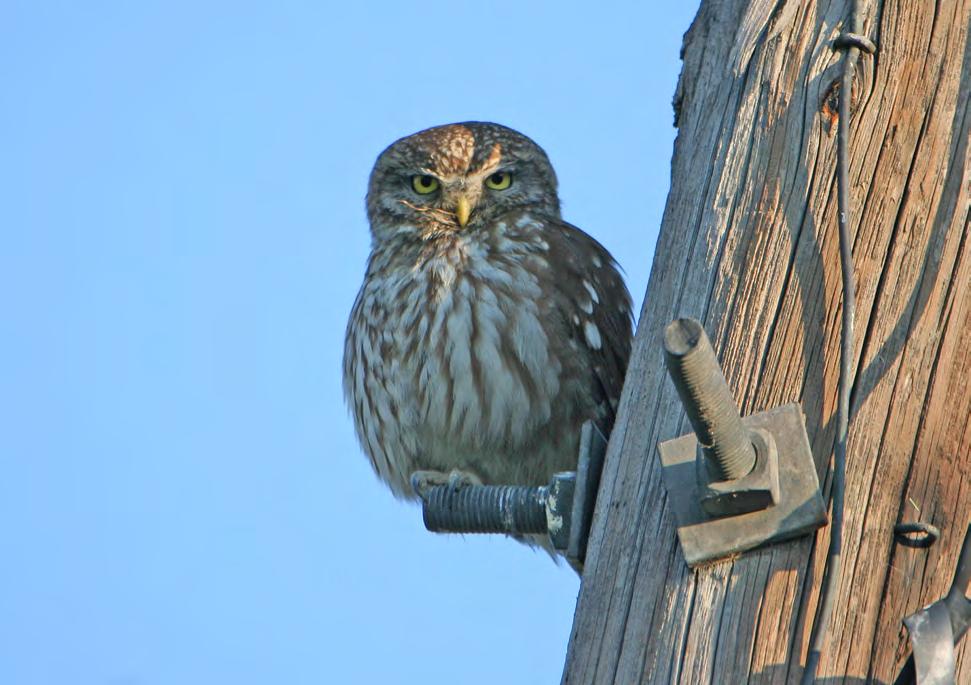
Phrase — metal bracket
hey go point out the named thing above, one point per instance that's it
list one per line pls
(800, 510)
(563, 509)
(765, 488)
(756, 490)
(935, 629)
(590, 464)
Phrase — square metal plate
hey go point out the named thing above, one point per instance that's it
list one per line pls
(800, 509)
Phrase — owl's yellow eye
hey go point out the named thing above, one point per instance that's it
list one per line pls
(499, 180)
(425, 184)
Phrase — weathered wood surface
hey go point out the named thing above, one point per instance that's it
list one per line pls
(749, 246)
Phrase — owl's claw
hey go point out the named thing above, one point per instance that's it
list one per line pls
(459, 479)
(455, 480)
(422, 481)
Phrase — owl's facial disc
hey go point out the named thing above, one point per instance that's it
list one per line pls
(464, 191)
(448, 182)
(446, 199)
(455, 196)
(457, 178)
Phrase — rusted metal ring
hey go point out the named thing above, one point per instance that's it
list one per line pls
(916, 535)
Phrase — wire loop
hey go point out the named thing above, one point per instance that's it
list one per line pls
(916, 535)
(855, 40)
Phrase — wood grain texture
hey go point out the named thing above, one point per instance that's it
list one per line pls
(749, 246)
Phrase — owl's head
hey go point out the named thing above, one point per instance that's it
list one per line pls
(458, 177)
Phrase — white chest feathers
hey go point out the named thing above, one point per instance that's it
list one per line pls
(471, 355)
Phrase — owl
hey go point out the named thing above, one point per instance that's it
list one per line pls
(487, 329)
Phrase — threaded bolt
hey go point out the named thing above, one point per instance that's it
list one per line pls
(514, 509)
(707, 400)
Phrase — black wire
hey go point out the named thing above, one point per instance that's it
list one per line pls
(827, 594)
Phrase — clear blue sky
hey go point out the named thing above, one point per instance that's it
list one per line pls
(182, 499)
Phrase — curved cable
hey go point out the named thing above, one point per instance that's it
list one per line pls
(831, 578)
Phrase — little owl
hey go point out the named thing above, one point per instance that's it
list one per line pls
(487, 329)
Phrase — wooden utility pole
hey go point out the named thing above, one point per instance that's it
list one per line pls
(749, 246)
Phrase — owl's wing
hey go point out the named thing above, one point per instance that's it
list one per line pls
(596, 309)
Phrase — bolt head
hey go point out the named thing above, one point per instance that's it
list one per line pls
(755, 491)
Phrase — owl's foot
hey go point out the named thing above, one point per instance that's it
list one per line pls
(455, 479)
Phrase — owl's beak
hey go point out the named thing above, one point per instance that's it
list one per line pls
(463, 208)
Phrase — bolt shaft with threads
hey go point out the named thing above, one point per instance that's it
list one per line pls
(709, 403)
(513, 509)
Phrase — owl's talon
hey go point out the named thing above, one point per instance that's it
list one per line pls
(455, 480)
(460, 479)
(422, 481)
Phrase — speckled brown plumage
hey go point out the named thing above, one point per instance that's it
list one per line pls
(480, 347)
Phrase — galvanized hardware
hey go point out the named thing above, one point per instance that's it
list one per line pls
(756, 490)
(737, 469)
(590, 464)
(917, 535)
(855, 40)
(935, 629)
(563, 510)
(559, 502)
(734, 484)
(485, 509)
(722, 438)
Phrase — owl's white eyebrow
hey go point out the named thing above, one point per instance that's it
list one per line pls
(490, 166)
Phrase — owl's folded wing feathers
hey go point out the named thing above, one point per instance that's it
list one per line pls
(596, 310)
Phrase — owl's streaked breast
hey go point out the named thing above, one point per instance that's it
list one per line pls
(456, 362)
